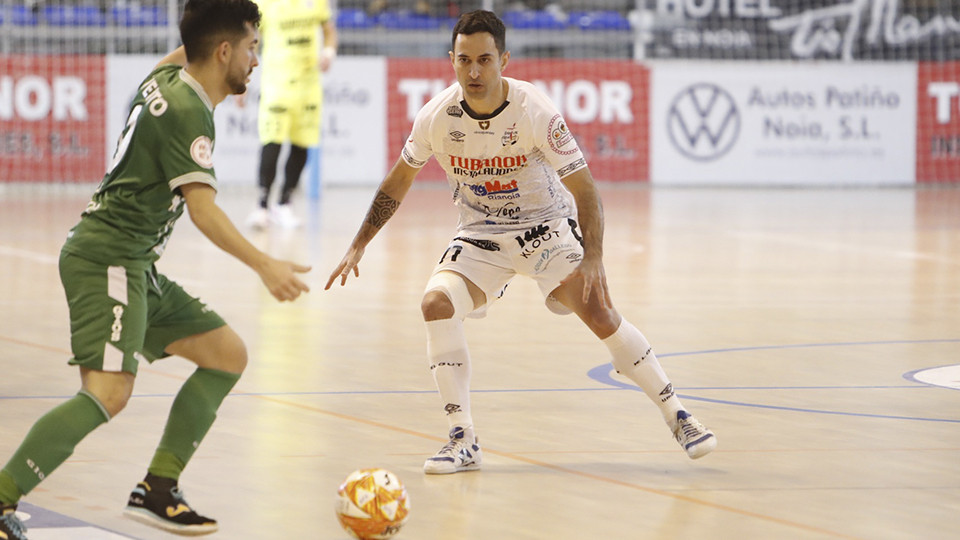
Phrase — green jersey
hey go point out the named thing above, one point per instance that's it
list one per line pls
(167, 142)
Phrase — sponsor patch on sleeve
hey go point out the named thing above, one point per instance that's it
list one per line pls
(201, 150)
(560, 137)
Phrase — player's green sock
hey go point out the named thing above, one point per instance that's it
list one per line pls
(192, 414)
(49, 443)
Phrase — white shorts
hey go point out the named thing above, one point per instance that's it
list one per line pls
(548, 253)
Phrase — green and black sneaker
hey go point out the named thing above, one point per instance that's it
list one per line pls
(11, 528)
(159, 502)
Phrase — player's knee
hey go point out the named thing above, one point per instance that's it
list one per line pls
(112, 392)
(436, 305)
(447, 296)
(234, 355)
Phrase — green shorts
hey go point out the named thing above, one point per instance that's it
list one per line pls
(119, 315)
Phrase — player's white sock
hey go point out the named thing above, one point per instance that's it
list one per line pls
(633, 357)
(450, 364)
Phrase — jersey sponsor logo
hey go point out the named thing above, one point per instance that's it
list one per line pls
(299, 41)
(457, 136)
(454, 110)
(510, 136)
(486, 245)
(153, 98)
(549, 254)
(303, 22)
(509, 211)
(495, 190)
(559, 136)
(201, 150)
(498, 162)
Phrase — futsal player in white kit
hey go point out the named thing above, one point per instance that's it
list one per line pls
(528, 205)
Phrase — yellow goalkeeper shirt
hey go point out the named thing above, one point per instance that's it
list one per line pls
(289, 31)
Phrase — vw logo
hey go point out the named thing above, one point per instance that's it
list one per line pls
(703, 122)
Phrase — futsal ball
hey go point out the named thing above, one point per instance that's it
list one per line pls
(372, 504)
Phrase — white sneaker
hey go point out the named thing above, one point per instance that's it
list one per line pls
(697, 440)
(284, 217)
(462, 453)
(259, 219)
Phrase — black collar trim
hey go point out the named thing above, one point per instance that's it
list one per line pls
(477, 116)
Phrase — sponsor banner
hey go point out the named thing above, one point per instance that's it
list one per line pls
(351, 141)
(604, 103)
(780, 123)
(51, 118)
(353, 137)
(810, 29)
(938, 122)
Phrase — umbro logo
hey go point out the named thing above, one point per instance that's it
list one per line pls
(457, 136)
(452, 408)
(667, 392)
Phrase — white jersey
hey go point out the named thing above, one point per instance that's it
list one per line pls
(504, 168)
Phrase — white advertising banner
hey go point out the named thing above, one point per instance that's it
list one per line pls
(353, 141)
(354, 138)
(782, 123)
(353, 135)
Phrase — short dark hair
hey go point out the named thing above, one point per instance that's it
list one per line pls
(207, 23)
(481, 21)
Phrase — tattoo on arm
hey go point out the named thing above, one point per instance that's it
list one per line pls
(381, 210)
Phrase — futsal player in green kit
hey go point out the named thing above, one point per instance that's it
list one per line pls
(122, 311)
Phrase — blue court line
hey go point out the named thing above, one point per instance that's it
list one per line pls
(602, 375)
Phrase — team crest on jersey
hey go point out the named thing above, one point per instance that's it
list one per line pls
(457, 136)
(510, 136)
(559, 136)
(201, 150)
(484, 124)
(454, 110)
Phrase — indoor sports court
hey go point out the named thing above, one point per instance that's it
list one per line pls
(813, 330)
(781, 222)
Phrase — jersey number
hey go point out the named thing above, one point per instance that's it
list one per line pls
(456, 253)
(124, 141)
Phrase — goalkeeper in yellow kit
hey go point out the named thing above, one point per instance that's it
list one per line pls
(299, 43)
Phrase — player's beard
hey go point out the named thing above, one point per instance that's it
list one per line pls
(238, 84)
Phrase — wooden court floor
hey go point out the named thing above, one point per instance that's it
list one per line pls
(816, 331)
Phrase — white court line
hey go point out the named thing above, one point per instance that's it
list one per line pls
(845, 248)
(6, 251)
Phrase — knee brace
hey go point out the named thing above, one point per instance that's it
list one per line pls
(456, 290)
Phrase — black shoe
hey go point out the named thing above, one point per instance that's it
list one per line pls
(11, 528)
(159, 502)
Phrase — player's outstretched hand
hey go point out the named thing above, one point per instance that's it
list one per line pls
(349, 262)
(281, 279)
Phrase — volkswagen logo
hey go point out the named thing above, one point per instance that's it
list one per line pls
(703, 122)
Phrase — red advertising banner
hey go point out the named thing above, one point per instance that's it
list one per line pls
(605, 104)
(938, 122)
(52, 118)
